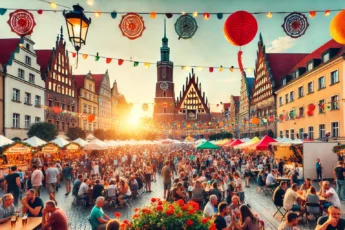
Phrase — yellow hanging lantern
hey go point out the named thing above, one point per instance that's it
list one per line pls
(153, 15)
(337, 28)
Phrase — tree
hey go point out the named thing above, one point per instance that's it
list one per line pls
(43, 130)
(270, 133)
(100, 134)
(75, 133)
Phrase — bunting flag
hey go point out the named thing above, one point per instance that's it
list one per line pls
(108, 60)
(136, 64)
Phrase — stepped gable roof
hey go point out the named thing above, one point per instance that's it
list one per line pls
(44, 58)
(281, 64)
(192, 81)
(7, 48)
(98, 81)
(317, 54)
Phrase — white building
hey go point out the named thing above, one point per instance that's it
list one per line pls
(23, 86)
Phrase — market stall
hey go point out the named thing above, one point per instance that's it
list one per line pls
(233, 143)
(60, 142)
(248, 143)
(35, 141)
(263, 143)
(81, 142)
(71, 150)
(207, 145)
(18, 154)
(5, 141)
(51, 151)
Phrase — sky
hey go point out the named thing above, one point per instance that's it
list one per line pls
(208, 47)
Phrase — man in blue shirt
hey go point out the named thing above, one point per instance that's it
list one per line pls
(318, 170)
(67, 174)
(77, 184)
(98, 218)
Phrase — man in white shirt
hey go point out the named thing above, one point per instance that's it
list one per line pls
(209, 207)
(239, 186)
(330, 194)
(83, 191)
(271, 180)
(290, 197)
(36, 180)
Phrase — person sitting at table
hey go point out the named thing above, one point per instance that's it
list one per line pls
(278, 194)
(7, 208)
(333, 221)
(261, 179)
(98, 218)
(83, 191)
(57, 219)
(124, 192)
(291, 196)
(330, 195)
(77, 184)
(306, 185)
(97, 190)
(312, 197)
(209, 209)
(198, 193)
(271, 180)
(216, 191)
(32, 204)
(290, 222)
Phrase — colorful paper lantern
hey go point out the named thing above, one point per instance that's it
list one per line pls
(206, 16)
(255, 121)
(312, 14)
(153, 15)
(337, 28)
(310, 113)
(271, 119)
(91, 117)
(311, 107)
(57, 109)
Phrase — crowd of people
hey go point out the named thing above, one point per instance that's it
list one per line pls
(215, 179)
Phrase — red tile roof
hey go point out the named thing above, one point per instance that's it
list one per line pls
(43, 59)
(7, 47)
(281, 65)
(98, 81)
(316, 54)
(79, 81)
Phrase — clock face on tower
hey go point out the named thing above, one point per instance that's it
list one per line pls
(164, 72)
(164, 86)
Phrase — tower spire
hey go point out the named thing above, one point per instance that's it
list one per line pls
(165, 50)
(61, 34)
(165, 34)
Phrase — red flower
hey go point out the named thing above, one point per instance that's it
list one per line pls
(179, 215)
(191, 212)
(180, 202)
(125, 221)
(169, 212)
(136, 209)
(171, 207)
(189, 222)
(117, 214)
(184, 207)
(160, 202)
(135, 216)
(204, 220)
(159, 208)
(194, 204)
(123, 226)
(213, 227)
(153, 200)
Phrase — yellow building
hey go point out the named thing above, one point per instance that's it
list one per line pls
(87, 101)
(310, 101)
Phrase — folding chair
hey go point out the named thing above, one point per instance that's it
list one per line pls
(316, 214)
(279, 209)
(263, 189)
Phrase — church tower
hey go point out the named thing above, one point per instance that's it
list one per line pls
(164, 101)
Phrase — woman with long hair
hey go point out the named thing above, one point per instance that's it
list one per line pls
(113, 225)
(148, 175)
(247, 220)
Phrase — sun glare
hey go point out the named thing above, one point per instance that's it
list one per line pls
(133, 120)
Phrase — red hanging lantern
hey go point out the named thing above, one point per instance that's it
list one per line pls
(91, 117)
(255, 121)
(310, 113)
(57, 109)
(271, 119)
(311, 107)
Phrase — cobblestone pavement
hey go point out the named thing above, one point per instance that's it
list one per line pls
(260, 203)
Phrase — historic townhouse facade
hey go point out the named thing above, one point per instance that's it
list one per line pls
(234, 109)
(120, 109)
(270, 68)
(87, 102)
(103, 90)
(247, 84)
(310, 103)
(61, 92)
(1, 100)
(23, 86)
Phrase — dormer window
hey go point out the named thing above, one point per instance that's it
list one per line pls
(296, 74)
(310, 66)
(284, 81)
(325, 57)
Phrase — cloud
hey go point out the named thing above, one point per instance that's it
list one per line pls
(281, 44)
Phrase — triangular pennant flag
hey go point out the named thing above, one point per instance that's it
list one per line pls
(84, 56)
(120, 61)
(74, 54)
(108, 60)
(219, 16)
(113, 14)
(97, 57)
(211, 69)
(136, 64)
(2, 11)
(169, 15)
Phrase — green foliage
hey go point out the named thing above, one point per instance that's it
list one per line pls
(43, 130)
(75, 133)
(219, 136)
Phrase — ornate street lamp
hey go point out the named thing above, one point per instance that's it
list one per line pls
(77, 26)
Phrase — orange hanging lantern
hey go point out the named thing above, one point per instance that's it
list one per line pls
(91, 117)
(153, 15)
(57, 109)
(312, 14)
(255, 121)
(337, 28)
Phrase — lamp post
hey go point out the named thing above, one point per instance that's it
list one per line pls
(77, 26)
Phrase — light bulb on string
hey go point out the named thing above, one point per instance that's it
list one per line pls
(195, 14)
(53, 5)
(231, 69)
(98, 14)
(269, 15)
(327, 12)
(200, 68)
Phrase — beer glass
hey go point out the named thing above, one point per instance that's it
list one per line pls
(24, 220)
(13, 221)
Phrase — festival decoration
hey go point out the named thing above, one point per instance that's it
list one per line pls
(113, 14)
(239, 29)
(311, 107)
(269, 15)
(219, 16)
(295, 25)
(255, 121)
(310, 113)
(186, 26)
(327, 12)
(91, 117)
(22, 22)
(145, 107)
(3, 11)
(195, 14)
(132, 26)
(271, 119)
(312, 14)
(337, 27)
(40, 11)
(153, 15)
(169, 15)
(206, 16)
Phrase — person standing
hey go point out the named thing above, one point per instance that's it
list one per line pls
(67, 175)
(318, 170)
(167, 175)
(339, 177)
(36, 180)
(53, 177)
(12, 181)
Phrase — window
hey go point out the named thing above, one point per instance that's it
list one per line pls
(89, 109)
(321, 106)
(31, 78)
(85, 95)
(85, 108)
(334, 103)
(286, 98)
(68, 107)
(27, 99)
(57, 124)
(165, 110)
(90, 87)
(63, 106)
(322, 132)
(280, 101)
(301, 112)
(20, 73)
(37, 119)
(310, 87)
(94, 125)
(27, 60)
(321, 83)
(37, 101)
(15, 120)
(296, 74)
(54, 86)
(63, 126)
(85, 125)
(335, 129)
(325, 57)
(50, 86)
(72, 108)
(27, 121)
(16, 95)
(63, 89)
(284, 81)
(63, 79)
(292, 97)
(292, 134)
(50, 103)
(94, 110)
(27, 46)
(300, 91)
(90, 127)
(58, 89)
(310, 66)
(334, 77)
(311, 132)
(164, 94)
(301, 133)
(281, 134)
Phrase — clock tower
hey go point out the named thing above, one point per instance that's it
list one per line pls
(164, 101)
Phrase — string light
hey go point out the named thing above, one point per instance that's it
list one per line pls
(327, 12)
(249, 70)
(153, 15)
(98, 14)
(195, 14)
(53, 5)
(220, 68)
(206, 16)
(269, 15)
(312, 14)
(183, 13)
(147, 65)
(231, 69)
(200, 68)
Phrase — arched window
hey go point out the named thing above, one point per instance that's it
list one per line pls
(164, 94)
(50, 85)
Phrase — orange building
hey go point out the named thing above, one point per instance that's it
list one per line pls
(310, 101)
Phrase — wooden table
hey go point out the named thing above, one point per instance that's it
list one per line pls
(32, 223)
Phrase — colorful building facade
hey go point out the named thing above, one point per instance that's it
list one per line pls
(234, 110)
(1, 100)
(247, 84)
(310, 103)
(103, 90)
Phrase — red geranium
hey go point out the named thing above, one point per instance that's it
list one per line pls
(136, 209)
(135, 216)
(117, 214)
(153, 200)
(125, 221)
(194, 204)
(160, 202)
(180, 202)
(171, 207)
(191, 212)
(204, 220)
(213, 227)
(159, 208)
(179, 215)
(189, 222)
(184, 207)
(169, 212)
